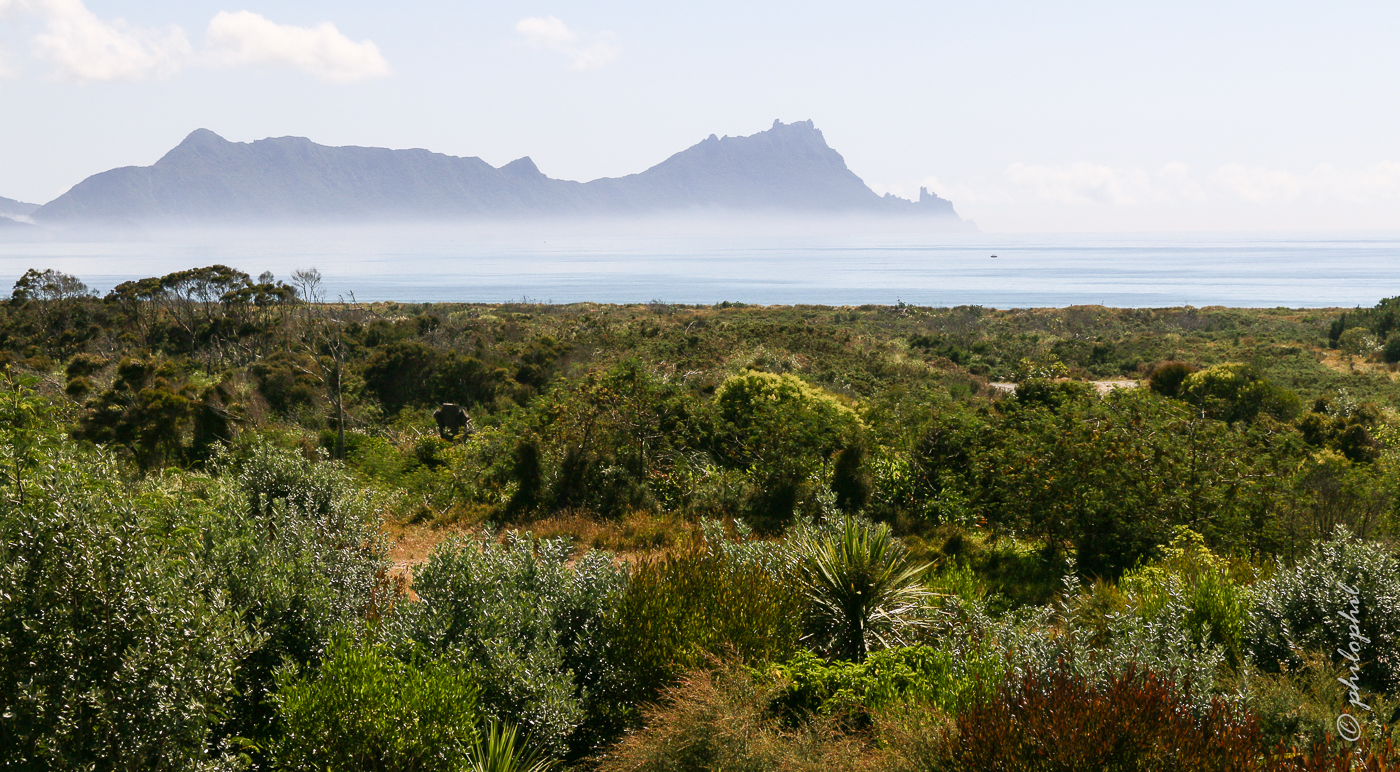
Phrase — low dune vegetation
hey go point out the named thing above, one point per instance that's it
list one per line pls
(676, 538)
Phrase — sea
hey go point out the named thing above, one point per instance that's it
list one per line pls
(926, 269)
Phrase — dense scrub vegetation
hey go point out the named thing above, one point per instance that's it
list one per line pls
(691, 538)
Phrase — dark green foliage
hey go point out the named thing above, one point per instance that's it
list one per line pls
(57, 310)
(850, 479)
(1112, 476)
(466, 380)
(526, 473)
(1052, 395)
(429, 451)
(943, 464)
(286, 380)
(970, 355)
(47, 286)
(1380, 319)
(538, 361)
(600, 445)
(78, 387)
(84, 365)
(1344, 426)
(1391, 353)
(185, 310)
(156, 412)
(1167, 378)
(362, 709)
(401, 374)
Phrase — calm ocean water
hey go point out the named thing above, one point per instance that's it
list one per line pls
(1129, 270)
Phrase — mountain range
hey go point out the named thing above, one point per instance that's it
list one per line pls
(11, 209)
(788, 169)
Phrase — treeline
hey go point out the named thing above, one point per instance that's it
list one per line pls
(687, 538)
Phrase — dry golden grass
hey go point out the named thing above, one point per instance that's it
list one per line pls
(1342, 363)
(636, 533)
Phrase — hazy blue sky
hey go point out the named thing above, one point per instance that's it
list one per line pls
(1028, 115)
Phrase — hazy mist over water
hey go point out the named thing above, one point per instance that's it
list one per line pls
(823, 265)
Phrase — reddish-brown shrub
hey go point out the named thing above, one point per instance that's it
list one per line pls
(1061, 721)
(1138, 722)
(1331, 756)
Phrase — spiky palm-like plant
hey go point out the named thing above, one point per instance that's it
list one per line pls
(500, 749)
(864, 593)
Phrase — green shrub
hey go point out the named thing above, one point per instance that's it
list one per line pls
(1112, 476)
(78, 387)
(863, 592)
(377, 458)
(85, 365)
(287, 381)
(1300, 707)
(947, 678)
(295, 544)
(115, 653)
(1217, 602)
(605, 437)
(1358, 342)
(1302, 608)
(782, 432)
(362, 709)
(268, 471)
(1237, 392)
(934, 480)
(525, 471)
(1050, 394)
(681, 610)
(527, 622)
(1391, 352)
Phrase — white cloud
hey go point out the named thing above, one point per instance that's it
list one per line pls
(588, 52)
(245, 38)
(1086, 183)
(1089, 196)
(85, 48)
(1324, 182)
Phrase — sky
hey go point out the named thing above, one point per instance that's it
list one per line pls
(1029, 116)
